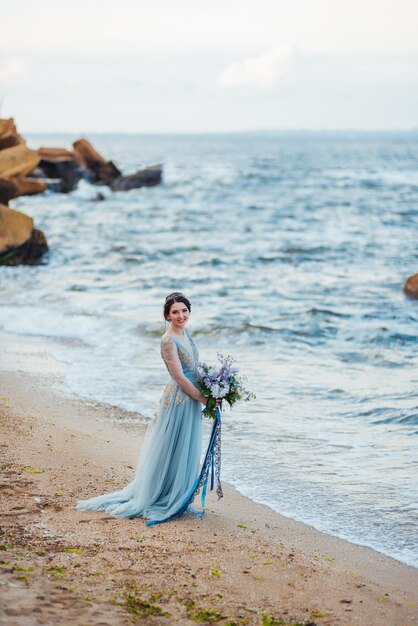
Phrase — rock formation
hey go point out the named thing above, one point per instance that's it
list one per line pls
(411, 286)
(20, 242)
(144, 178)
(61, 168)
(16, 162)
(26, 172)
(102, 171)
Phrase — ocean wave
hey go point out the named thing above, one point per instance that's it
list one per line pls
(314, 311)
(399, 419)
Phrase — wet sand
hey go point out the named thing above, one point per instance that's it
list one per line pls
(240, 564)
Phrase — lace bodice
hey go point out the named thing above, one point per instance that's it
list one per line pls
(175, 354)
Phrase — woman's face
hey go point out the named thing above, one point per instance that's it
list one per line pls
(178, 315)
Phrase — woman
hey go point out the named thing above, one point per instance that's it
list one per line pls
(167, 476)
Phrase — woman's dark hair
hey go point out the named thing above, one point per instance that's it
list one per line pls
(176, 296)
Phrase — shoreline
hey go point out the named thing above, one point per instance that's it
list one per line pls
(34, 355)
(261, 561)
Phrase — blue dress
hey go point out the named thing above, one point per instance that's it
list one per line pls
(167, 476)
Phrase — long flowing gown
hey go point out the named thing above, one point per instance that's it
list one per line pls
(167, 475)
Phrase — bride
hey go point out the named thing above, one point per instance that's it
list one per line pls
(167, 476)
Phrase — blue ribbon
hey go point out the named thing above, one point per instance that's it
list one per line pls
(213, 452)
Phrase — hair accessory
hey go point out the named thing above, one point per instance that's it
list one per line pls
(175, 294)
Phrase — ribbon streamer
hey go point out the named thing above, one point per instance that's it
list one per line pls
(211, 465)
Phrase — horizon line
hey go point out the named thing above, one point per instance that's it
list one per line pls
(412, 129)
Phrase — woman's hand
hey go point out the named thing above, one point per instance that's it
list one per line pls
(204, 400)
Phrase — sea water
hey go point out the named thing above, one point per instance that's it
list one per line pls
(293, 248)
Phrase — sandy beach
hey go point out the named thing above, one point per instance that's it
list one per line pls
(240, 564)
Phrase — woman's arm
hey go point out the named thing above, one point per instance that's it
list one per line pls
(171, 358)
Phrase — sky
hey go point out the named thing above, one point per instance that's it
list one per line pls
(187, 66)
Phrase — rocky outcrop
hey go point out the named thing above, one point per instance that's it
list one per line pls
(26, 172)
(17, 161)
(20, 242)
(28, 186)
(9, 136)
(61, 168)
(55, 154)
(148, 177)
(411, 286)
(20, 186)
(102, 171)
(8, 190)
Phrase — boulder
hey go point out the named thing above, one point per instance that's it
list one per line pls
(62, 168)
(143, 178)
(15, 228)
(8, 190)
(8, 134)
(20, 242)
(55, 154)
(28, 186)
(36, 173)
(411, 286)
(17, 161)
(102, 171)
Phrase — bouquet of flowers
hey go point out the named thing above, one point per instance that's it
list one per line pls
(221, 383)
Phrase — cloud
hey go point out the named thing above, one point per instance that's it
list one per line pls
(263, 71)
(13, 69)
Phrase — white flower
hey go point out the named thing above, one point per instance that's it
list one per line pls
(223, 391)
(215, 390)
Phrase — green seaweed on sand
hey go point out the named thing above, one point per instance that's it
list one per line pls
(57, 571)
(206, 615)
(268, 620)
(19, 568)
(142, 608)
(172, 593)
(73, 550)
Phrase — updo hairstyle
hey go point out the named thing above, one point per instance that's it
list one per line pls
(176, 296)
